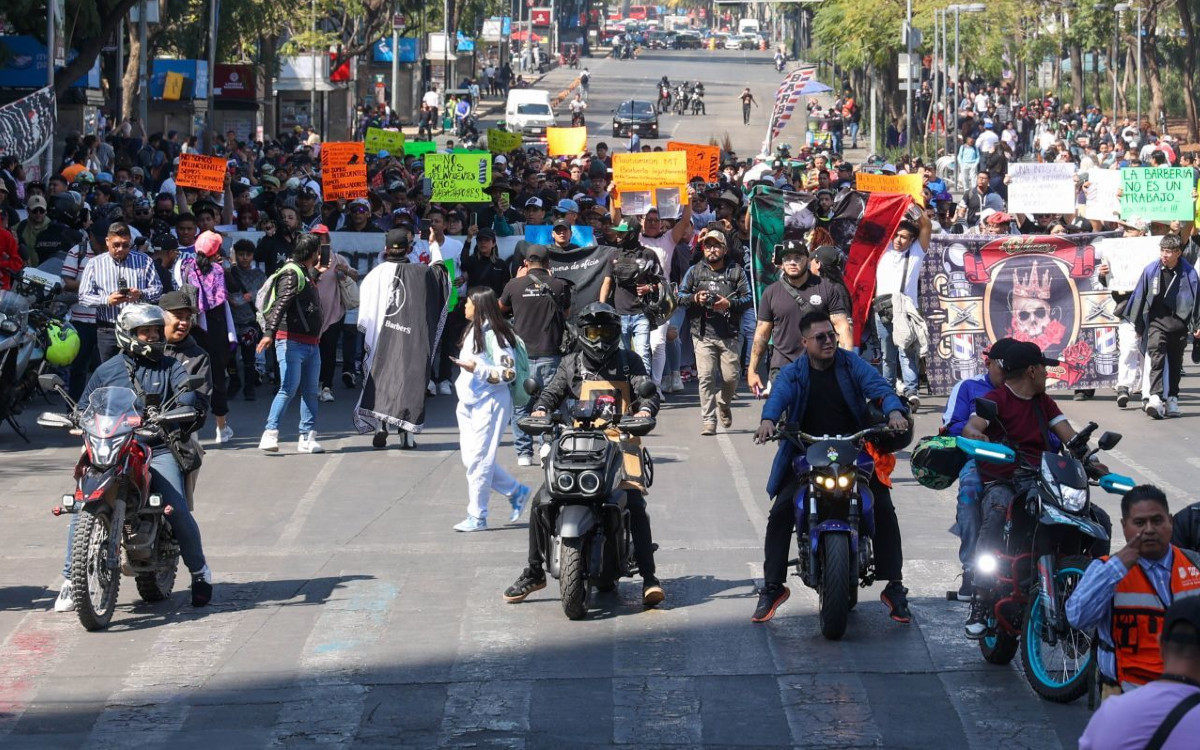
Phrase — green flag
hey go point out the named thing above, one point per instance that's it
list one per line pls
(766, 231)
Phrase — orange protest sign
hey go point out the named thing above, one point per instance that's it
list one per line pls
(646, 171)
(909, 184)
(566, 141)
(201, 172)
(343, 171)
(702, 161)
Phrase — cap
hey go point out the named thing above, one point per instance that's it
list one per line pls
(566, 205)
(36, 201)
(986, 214)
(105, 178)
(561, 221)
(535, 201)
(730, 197)
(176, 300)
(360, 202)
(1185, 610)
(999, 348)
(208, 243)
(501, 159)
(319, 229)
(138, 171)
(488, 233)
(395, 185)
(306, 191)
(714, 236)
(826, 191)
(383, 155)
(537, 252)
(1022, 354)
(624, 226)
(828, 255)
(998, 217)
(270, 180)
(398, 238)
(793, 247)
(1140, 225)
(164, 241)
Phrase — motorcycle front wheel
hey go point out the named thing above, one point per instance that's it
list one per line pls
(1058, 672)
(836, 584)
(572, 580)
(93, 583)
(998, 647)
(157, 586)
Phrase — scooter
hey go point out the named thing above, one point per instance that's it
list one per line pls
(24, 318)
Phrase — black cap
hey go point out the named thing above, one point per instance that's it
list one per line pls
(487, 232)
(793, 247)
(399, 238)
(828, 256)
(1185, 610)
(176, 301)
(164, 242)
(537, 252)
(561, 221)
(998, 349)
(1022, 354)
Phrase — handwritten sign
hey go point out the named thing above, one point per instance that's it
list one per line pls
(201, 172)
(702, 161)
(646, 171)
(1041, 188)
(379, 139)
(416, 148)
(1101, 192)
(343, 171)
(459, 178)
(1157, 194)
(906, 184)
(566, 141)
(1127, 258)
(502, 141)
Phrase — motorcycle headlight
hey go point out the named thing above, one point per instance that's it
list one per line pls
(827, 482)
(589, 482)
(8, 325)
(1072, 499)
(565, 481)
(844, 481)
(105, 450)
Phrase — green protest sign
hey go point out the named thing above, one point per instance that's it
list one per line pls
(501, 141)
(416, 148)
(459, 178)
(379, 139)
(1157, 194)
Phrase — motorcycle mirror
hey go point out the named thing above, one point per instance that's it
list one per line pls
(50, 419)
(193, 383)
(1109, 440)
(986, 409)
(647, 389)
(50, 381)
(531, 386)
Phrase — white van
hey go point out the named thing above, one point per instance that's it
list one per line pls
(529, 112)
(748, 26)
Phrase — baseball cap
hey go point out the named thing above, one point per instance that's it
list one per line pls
(828, 256)
(535, 201)
(998, 217)
(561, 221)
(361, 202)
(999, 348)
(1140, 225)
(715, 236)
(501, 159)
(176, 300)
(1184, 610)
(36, 201)
(163, 241)
(730, 197)
(1022, 354)
(537, 252)
(567, 205)
(793, 247)
(319, 229)
(398, 238)
(270, 181)
(487, 232)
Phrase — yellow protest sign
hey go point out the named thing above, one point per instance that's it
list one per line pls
(908, 184)
(702, 161)
(379, 139)
(502, 141)
(646, 171)
(201, 172)
(459, 178)
(173, 87)
(343, 171)
(566, 141)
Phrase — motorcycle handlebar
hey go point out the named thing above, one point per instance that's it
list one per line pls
(785, 431)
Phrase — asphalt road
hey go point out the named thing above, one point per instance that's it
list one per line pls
(348, 613)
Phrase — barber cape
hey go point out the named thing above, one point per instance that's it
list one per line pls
(908, 327)
(401, 314)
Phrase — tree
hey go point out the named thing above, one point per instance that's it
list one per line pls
(1188, 9)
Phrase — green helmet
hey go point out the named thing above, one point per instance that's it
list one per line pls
(62, 343)
(936, 461)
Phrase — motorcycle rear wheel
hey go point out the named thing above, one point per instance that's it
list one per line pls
(572, 580)
(836, 585)
(157, 586)
(93, 584)
(1074, 649)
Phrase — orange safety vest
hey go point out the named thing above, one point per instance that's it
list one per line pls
(1138, 615)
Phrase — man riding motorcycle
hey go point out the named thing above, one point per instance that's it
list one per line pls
(597, 363)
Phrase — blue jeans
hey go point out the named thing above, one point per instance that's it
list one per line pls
(635, 337)
(675, 348)
(891, 354)
(299, 371)
(749, 323)
(541, 369)
(853, 135)
(166, 478)
(835, 142)
(967, 516)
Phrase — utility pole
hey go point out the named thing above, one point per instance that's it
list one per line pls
(908, 39)
(397, 21)
(50, 47)
(1139, 67)
(445, 46)
(210, 119)
(143, 83)
(312, 95)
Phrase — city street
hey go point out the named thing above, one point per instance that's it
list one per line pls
(348, 613)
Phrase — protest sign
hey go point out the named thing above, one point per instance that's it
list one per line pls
(542, 234)
(669, 202)
(459, 178)
(1101, 193)
(1127, 257)
(646, 171)
(1041, 188)
(566, 141)
(343, 171)
(201, 172)
(907, 184)
(379, 139)
(416, 148)
(702, 161)
(635, 202)
(1157, 193)
(502, 141)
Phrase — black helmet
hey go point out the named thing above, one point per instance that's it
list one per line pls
(598, 329)
(133, 317)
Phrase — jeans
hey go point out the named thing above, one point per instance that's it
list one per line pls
(541, 369)
(835, 142)
(853, 135)
(82, 366)
(635, 337)
(299, 368)
(675, 347)
(166, 478)
(908, 360)
(749, 323)
(967, 516)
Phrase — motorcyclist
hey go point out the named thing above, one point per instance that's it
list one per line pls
(596, 358)
(577, 106)
(779, 59)
(179, 314)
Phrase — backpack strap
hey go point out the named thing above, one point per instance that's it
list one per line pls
(1171, 721)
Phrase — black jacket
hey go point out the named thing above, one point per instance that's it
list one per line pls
(274, 250)
(730, 282)
(195, 362)
(295, 310)
(1186, 533)
(571, 373)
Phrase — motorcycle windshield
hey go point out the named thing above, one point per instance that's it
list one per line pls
(13, 304)
(111, 412)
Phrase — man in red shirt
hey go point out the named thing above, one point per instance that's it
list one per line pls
(10, 257)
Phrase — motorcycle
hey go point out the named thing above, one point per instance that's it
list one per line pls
(577, 120)
(835, 519)
(780, 63)
(116, 506)
(698, 103)
(664, 98)
(26, 311)
(681, 101)
(585, 536)
(1049, 540)
(573, 60)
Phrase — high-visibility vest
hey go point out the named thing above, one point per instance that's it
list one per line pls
(1138, 615)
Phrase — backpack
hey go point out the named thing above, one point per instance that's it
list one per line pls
(264, 300)
(520, 366)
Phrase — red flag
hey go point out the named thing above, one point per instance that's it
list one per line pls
(880, 220)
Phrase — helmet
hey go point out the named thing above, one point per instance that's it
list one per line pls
(133, 317)
(598, 329)
(936, 461)
(62, 343)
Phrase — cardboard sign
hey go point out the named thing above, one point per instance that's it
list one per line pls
(566, 141)
(1102, 201)
(343, 171)
(459, 178)
(646, 171)
(201, 172)
(905, 184)
(173, 88)
(416, 148)
(379, 139)
(1041, 188)
(1127, 258)
(702, 161)
(502, 141)
(1157, 193)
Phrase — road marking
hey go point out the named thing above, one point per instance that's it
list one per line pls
(740, 482)
(38, 644)
(303, 508)
(1150, 476)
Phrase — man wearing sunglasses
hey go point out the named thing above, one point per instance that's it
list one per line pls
(358, 217)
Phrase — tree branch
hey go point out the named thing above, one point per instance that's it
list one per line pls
(89, 49)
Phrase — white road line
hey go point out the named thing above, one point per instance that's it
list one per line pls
(303, 508)
(1148, 475)
(741, 483)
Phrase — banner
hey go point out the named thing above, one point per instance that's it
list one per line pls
(646, 171)
(566, 141)
(343, 171)
(202, 172)
(502, 141)
(872, 237)
(364, 250)
(906, 184)
(702, 161)
(1041, 188)
(1158, 193)
(27, 125)
(379, 139)
(1126, 257)
(976, 289)
(1101, 194)
(459, 178)
(416, 148)
(542, 234)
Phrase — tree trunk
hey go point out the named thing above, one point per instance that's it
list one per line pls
(130, 88)
(267, 50)
(1150, 61)
(89, 49)
(1076, 76)
(1129, 80)
(1096, 78)
(1192, 50)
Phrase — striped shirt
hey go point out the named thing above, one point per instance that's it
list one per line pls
(102, 278)
(77, 259)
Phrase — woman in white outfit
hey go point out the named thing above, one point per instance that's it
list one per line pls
(487, 370)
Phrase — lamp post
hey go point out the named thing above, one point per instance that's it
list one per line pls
(1119, 8)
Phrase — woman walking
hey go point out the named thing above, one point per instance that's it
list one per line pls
(206, 274)
(487, 370)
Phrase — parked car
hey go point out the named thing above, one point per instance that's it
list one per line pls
(687, 40)
(635, 115)
(733, 41)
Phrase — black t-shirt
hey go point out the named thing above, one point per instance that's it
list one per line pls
(539, 303)
(1162, 306)
(630, 268)
(827, 412)
(783, 311)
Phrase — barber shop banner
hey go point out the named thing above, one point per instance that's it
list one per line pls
(1039, 288)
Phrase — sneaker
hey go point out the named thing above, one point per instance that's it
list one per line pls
(348, 379)
(519, 500)
(769, 599)
(326, 395)
(1122, 397)
(652, 592)
(308, 444)
(1173, 407)
(524, 460)
(914, 401)
(445, 389)
(530, 580)
(380, 439)
(1084, 394)
(202, 587)
(726, 416)
(431, 388)
(471, 523)
(269, 441)
(66, 598)
(895, 596)
(676, 382)
(407, 440)
(1154, 407)
(710, 429)
(224, 434)
(976, 626)
(967, 588)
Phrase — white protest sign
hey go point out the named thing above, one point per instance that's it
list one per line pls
(1127, 258)
(1041, 188)
(1102, 201)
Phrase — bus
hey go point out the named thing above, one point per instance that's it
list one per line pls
(643, 12)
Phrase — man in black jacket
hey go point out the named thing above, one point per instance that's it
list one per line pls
(178, 314)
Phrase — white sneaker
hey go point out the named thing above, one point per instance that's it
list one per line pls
(445, 389)
(308, 444)
(1154, 407)
(431, 388)
(1173, 407)
(676, 382)
(66, 598)
(524, 460)
(269, 441)
(326, 395)
(224, 434)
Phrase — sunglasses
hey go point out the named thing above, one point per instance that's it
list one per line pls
(37, 210)
(358, 210)
(1039, 313)
(795, 260)
(827, 336)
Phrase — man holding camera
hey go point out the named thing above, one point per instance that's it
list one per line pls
(115, 279)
